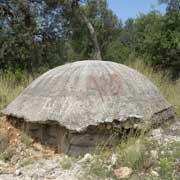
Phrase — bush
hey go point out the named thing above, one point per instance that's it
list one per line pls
(26, 139)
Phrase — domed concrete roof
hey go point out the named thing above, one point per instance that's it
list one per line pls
(85, 93)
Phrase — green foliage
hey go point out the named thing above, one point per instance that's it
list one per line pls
(26, 139)
(38, 35)
(166, 168)
(158, 37)
(131, 153)
(7, 155)
(66, 163)
(172, 5)
(27, 162)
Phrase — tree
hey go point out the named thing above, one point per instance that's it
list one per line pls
(37, 34)
(158, 37)
(75, 8)
(172, 5)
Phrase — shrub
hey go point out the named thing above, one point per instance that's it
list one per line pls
(66, 163)
(26, 139)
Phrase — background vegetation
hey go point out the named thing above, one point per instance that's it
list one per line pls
(38, 35)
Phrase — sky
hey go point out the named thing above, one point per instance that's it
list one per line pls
(125, 9)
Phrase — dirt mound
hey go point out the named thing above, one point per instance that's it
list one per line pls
(16, 147)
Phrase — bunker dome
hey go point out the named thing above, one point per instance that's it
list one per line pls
(78, 105)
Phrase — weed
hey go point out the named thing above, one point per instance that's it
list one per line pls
(98, 168)
(25, 139)
(27, 162)
(66, 163)
(131, 153)
(10, 87)
(7, 155)
(166, 168)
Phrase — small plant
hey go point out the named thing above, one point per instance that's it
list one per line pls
(7, 155)
(131, 153)
(10, 87)
(166, 168)
(26, 162)
(25, 139)
(2, 158)
(66, 163)
(98, 168)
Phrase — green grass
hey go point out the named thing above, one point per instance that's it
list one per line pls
(27, 162)
(7, 155)
(25, 139)
(131, 153)
(66, 163)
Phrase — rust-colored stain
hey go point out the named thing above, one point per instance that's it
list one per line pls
(104, 85)
(99, 89)
(117, 81)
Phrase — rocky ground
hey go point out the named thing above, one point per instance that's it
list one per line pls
(156, 156)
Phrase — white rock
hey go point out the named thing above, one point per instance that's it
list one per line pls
(154, 154)
(162, 152)
(66, 157)
(109, 168)
(27, 178)
(114, 159)
(123, 172)
(87, 158)
(157, 134)
(17, 172)
(17, 165)
(154, 173)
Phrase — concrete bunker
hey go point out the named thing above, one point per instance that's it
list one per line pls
(81, 105)
(100, 137)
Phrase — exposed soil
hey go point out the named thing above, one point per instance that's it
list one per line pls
(26, 159)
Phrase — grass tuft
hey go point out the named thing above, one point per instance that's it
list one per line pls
(11, 86)
(25, 139)
(66, 163)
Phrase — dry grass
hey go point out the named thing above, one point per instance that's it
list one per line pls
(170, 89)
(11, 86)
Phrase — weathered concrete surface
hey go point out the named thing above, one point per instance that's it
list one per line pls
(70, 142)
(86, 93)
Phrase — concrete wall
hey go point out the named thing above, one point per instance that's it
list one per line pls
(94, 138)
(66, 141)
(73, 143)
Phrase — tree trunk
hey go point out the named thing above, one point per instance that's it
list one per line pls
(92, 32)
